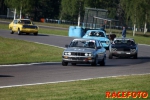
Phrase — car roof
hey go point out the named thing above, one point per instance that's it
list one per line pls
(83, 39)
(97, 30)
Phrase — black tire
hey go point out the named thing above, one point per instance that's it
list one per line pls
(102, 63)
(110, 56)
(64, 63)
(35, 33)
(19, 33)
(95, 62)
(107, 48)
(135, 56)
(11, 32)
(27, 33)
(74, 64)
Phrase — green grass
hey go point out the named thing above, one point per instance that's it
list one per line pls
(54, 32)
(94, 89)
(14, 51)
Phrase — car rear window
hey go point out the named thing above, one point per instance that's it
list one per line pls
(25, 22)
(129, 42)
(96, 34)
(84, 44)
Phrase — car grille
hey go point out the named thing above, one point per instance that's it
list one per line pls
(77, 54)
(120, 49)
(30, 26)
(103, 41)
(123, 49)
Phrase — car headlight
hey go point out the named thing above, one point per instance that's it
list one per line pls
(107, 42)
(133, 50)
(113, 49)
(67, 53)
(88, 54)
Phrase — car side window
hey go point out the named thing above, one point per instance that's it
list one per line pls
(15, 22)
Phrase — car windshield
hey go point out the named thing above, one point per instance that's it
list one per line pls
(25, 22)
(128, 42)
(83, 43)
(96, 34)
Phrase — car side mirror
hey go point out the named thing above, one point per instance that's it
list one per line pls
(66, 45)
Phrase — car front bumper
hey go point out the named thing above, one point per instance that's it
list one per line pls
(123, 54)
(25, 30)
(73, 59)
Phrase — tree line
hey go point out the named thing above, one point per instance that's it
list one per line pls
(129, 12)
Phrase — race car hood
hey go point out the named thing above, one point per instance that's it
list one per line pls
(98, 38)
(75, 49)
(123, 46)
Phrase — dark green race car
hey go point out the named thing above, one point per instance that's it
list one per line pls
(123, 47)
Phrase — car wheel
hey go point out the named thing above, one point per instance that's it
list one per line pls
(19, 33)
(102, 63)
(27, 33)
(95, 62)
(110, 56)
(135, 56)
(11, 32)
(35, 33)
(64, 63)
(107, 48)
(73, 64)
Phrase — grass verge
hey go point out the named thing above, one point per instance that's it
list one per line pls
(94, 89)
(14, 51)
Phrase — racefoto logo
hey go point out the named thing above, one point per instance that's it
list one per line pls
(127, 94)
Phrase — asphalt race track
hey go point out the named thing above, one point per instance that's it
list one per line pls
(54, 72)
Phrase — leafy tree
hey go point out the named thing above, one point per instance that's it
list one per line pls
(36, 8)
(69, 9)
(137, 11)
(3, 7)
(47, 8)
(24, 5)
(110, 5)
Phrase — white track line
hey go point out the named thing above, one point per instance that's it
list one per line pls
(67, 81)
